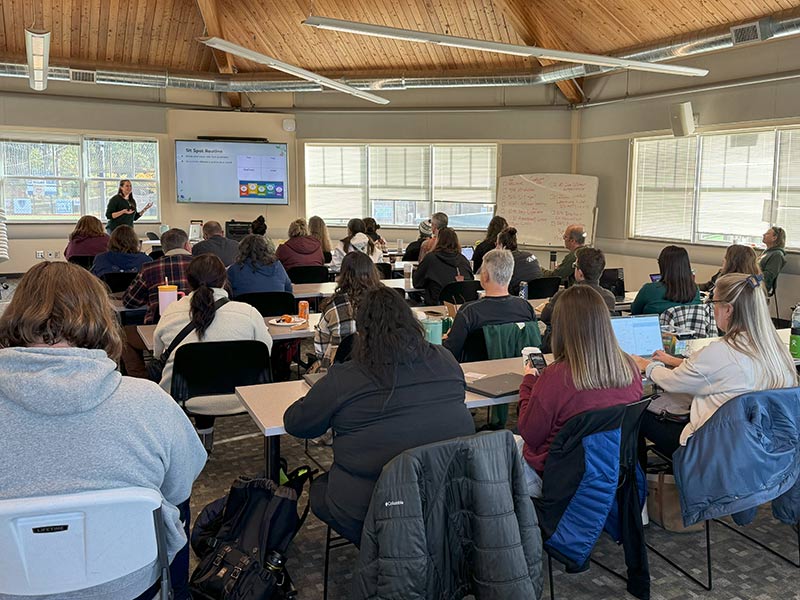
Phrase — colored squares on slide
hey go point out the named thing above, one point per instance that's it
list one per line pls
(261, 189)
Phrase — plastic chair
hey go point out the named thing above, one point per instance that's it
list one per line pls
(384, 270)
(271, 304)
(309, 274)
(459, 292)
(118, 282)
(71, 542)
(543, 287)
(83, 261)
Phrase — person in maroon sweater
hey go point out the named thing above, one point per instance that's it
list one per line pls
(87, 239)
(589, 372)
(301, 249)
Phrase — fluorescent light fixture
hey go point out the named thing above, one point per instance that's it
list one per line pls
(37, 45)
(252, 55)
(498, 47)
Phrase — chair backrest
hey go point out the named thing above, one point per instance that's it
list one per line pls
(459, 292)
(70, 542)
(613, 280)
(308, 274)
(156, 254)
(697, 317)
(84, 261)
(152, 235)
(327, 256)
(474, 347)
(384, 270)
(217, 368)
(118, 282)
(543, 287)
(271, 304)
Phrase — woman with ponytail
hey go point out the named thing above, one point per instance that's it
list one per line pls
(215, 319)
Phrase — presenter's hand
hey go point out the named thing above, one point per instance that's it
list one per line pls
(147, 206)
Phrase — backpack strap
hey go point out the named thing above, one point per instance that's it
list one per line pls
(186, 331)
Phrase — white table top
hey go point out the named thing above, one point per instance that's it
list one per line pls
(315, 290)
(268, 402)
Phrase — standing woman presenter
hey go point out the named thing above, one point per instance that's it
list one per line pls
(121, 209)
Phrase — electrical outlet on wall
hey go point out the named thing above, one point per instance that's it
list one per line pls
(40, 254)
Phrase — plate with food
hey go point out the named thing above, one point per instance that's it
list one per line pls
(286, 321)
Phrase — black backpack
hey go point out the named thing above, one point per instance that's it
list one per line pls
(242, 539)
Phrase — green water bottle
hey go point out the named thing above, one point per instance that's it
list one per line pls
(794, 340)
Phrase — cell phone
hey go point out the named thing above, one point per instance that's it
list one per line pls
(536, 360)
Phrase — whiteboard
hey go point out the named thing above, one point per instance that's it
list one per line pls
(542, 205)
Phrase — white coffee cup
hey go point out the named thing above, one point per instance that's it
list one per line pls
(399, 244)
(408, 269)
(527, 350)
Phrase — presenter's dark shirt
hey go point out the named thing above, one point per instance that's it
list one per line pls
(117, 203)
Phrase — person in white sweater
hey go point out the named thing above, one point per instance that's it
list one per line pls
(230, 321)
(749, 357)
(356, 241)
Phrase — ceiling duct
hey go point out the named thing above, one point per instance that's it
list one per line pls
(781, 25)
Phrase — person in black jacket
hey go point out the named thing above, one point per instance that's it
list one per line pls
(412, 250)
(444, 264)
(374, 402)
(496, 225)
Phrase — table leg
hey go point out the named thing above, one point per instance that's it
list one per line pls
(272, 457)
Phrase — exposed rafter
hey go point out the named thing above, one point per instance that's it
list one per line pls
(535, 33)
(225, 65)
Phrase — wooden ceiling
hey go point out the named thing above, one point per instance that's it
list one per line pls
(162, 34)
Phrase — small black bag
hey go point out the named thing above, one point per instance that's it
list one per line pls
(242, 540)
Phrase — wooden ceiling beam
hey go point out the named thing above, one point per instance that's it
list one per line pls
(534, 32)
(213, 24)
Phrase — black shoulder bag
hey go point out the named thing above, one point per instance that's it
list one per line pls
(155, 368)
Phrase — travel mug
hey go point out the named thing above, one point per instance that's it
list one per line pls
(167, 294)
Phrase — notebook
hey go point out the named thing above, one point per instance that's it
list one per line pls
(638, 335)
(506, 384)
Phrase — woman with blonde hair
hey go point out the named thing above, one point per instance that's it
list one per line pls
(87, 239)
(749, 357)
(589, 372)
(70, 422)
(318, 229)
(301, 249)
(738, 259)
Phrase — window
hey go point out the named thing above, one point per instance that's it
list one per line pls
(401, 185)
(61, 180)
(717, 188)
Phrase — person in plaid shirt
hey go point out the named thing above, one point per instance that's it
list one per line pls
(357, 276)
(172, 266)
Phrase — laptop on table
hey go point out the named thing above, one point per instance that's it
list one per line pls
(506, 384)
(638, 335)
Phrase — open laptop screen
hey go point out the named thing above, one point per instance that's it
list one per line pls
(639, 335)
(467, 252)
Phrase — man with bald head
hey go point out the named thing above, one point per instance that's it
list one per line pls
(215, 242)
(574, 239)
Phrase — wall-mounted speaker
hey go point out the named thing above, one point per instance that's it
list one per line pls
(289, 124)
(681, 119)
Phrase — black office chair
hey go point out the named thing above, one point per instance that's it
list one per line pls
(327, 257)
(271, 304)
(118, 282)
(474, 347)
(151, 235)
(156, 254)
(544, 287)
(459, 292)
(308, 274)
(82, 261)
(384, 270)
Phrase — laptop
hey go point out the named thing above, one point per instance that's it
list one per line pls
(638, 335)
(655, 277)
(497, 386)
(467, 251)
(614, 281)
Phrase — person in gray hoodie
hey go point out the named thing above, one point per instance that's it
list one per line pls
(71, 423)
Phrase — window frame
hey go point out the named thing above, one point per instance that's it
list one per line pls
(366, 208)
(83, 180)
(700, 136)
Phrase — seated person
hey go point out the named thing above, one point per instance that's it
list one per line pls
(444, 264)
(495, 308)
(318, 230)
(496, 225)
(526, 266)
(70, 422)
(257, 269)
(143, 291)
(89, 238)
(373, 402)
(676, 288)
(574, 238)
(589, 372)
(589, 266)
(738, 259)
(230, 322)
(773, 259)
(372, 227)
(412, 250)
(357, 276)
(301, 249)
(749, 357)
(356, 240)
(259, 226)
(214, 242)
(438, 221)
(124, 254)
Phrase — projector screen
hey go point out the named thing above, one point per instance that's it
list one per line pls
(231, 172)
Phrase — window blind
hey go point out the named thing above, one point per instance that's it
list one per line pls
(336, 178)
